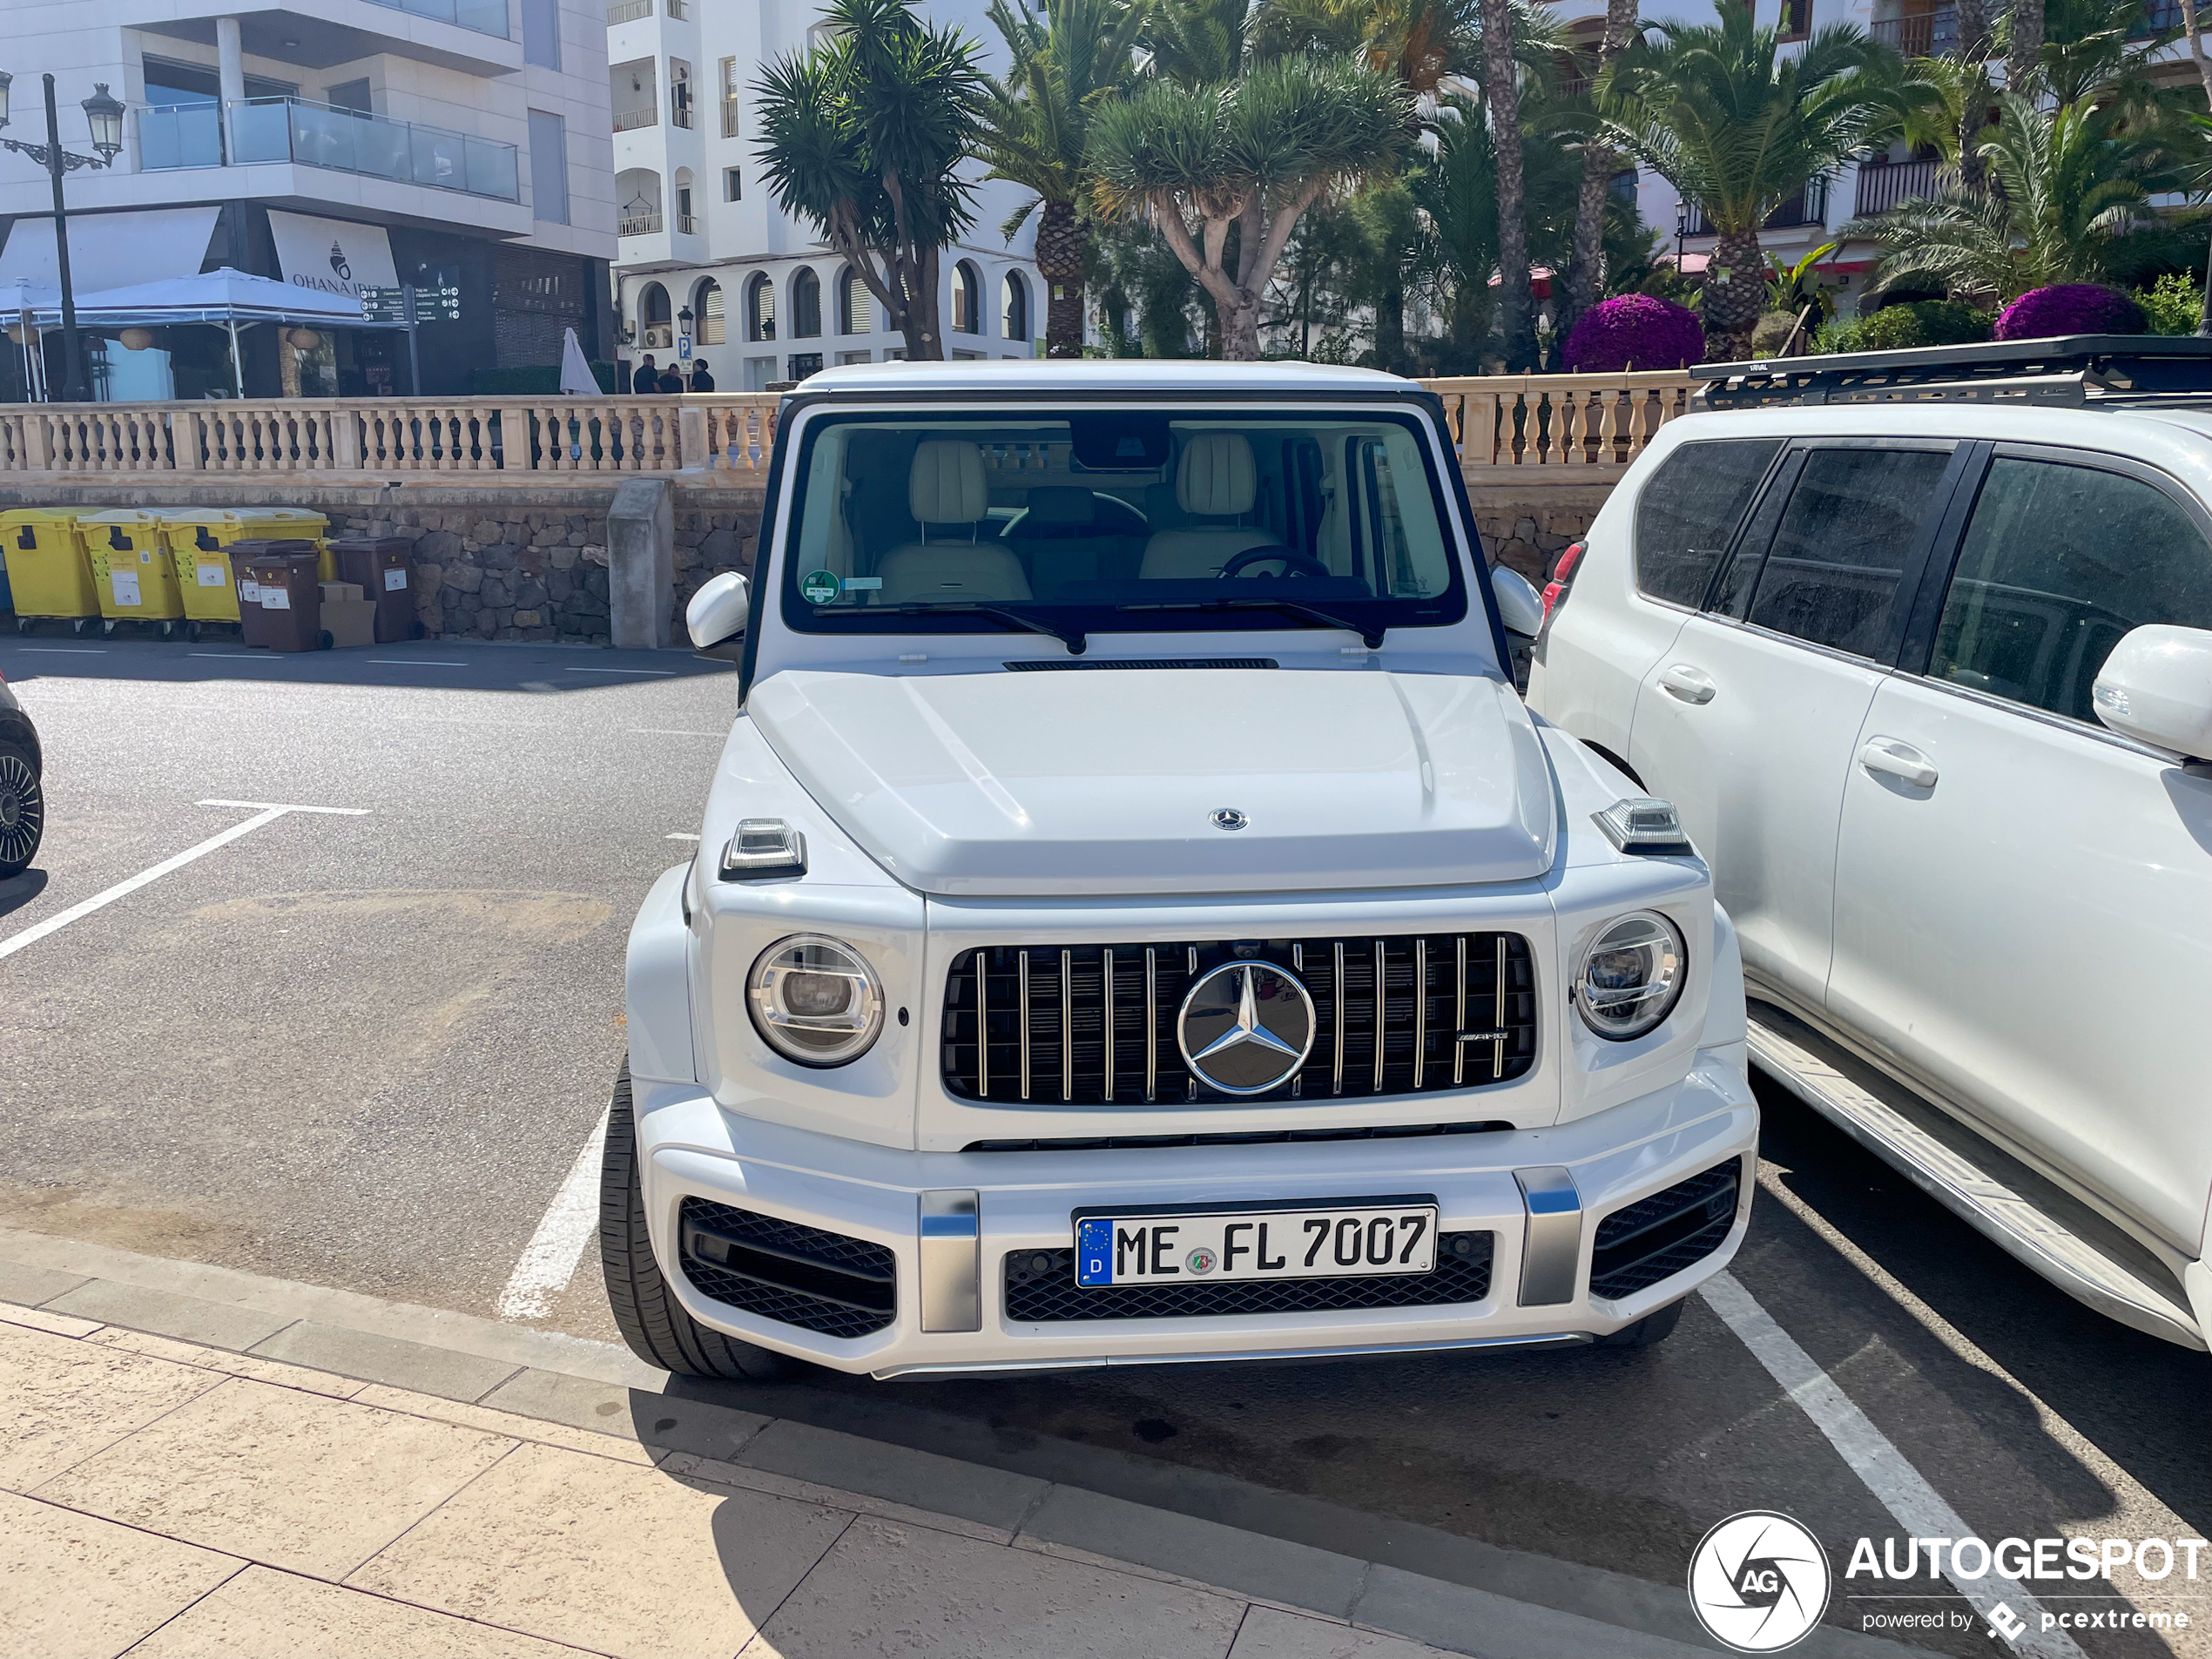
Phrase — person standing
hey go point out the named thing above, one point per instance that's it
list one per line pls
(647, 379)
(701, 381)
(672, 382)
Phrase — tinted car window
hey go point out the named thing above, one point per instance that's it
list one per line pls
(1831, 576)
(2058, 562)
(1688, 510)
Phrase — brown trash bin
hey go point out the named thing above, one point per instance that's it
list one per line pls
(380, 564)
(279, 599)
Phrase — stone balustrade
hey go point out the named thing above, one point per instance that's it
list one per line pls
(1531, 430)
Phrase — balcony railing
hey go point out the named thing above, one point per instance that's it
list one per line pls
(638, 225)
(322, 135)
(1923, 34)
(686, 224)
(730, 116)
(1808, 206)
(1881, 188)
(629, 11)
(485, 17)
(630, 120)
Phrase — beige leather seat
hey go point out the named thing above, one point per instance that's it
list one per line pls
(946, 488)
(1217, 478)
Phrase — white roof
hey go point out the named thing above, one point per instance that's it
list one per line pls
(1104, 374)
(224, 292)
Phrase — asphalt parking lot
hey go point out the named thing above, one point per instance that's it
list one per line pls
(366, 1043)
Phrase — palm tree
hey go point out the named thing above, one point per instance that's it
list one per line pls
(2023, 45)
(1250, 156)
(1501, 95)
(1738, 128)
(1198, 43)
(1035, 126)
(2071, 196)
(1585, 269)
(861, 136)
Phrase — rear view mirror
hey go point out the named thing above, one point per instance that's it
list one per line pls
(1520, 606)
(718, 610)
(2157, 688)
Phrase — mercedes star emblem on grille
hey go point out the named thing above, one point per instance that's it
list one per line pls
(1227, 818)
(1245, 1027)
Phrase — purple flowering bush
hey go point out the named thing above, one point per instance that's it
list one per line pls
(2070, 309)
(1635, 331)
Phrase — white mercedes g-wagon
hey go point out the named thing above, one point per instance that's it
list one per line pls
(1136, 921)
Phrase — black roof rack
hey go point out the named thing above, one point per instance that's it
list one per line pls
(2072, 369)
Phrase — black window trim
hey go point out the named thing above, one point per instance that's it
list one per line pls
(1766, 481)
(1935, 583)
(1918, 558)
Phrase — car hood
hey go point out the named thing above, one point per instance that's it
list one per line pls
(1099, 782)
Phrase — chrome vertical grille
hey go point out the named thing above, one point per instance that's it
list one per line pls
(1067, 1023)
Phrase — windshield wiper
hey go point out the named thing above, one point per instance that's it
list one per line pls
(1071, 638)
(1371, 635)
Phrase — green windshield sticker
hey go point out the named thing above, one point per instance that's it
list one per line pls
(819, 587)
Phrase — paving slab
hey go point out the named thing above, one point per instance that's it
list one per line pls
(188, 1318)
(72, 1587)
(279, 1476)
(581, 1402)
(991, 1497)
(1492, 1626)
(416, 1365)
(20, 1282)
(607, 1557)
(263, 1614)
(1276, 1632)
(62, 1399)
(889, 1592)
(621, 1449)
(229, 1363)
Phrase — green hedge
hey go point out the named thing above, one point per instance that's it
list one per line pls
(1900, 328)
(540, 381)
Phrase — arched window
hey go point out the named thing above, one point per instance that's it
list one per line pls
(806, 304)
(760, 308)
(967, 294)
(706, 305)
(855, 305)
(659, 330)
(1014, 310)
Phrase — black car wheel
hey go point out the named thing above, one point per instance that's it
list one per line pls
(22, 810)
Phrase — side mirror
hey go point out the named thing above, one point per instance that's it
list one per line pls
(2157, 688)
(718, 610)
(1520, 606)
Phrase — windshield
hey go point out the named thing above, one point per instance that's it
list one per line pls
(1123, 520)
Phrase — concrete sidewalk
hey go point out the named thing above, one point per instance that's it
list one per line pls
(198, 1462)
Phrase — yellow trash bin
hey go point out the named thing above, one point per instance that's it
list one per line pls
(132, 572)
(199, 538)
(47, 571)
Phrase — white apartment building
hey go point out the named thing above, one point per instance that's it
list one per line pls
(335, 143)
(1915, 28)
(708, 262)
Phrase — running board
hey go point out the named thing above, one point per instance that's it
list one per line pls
(2023, 1214)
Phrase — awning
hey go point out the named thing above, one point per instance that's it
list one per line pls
(109, 250)
(336, 256)
(223, 295)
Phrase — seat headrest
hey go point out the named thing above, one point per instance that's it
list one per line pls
(945, 485)
(1054, 507)
(1217, 478)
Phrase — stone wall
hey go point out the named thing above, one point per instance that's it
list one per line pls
(1527, 529)
(490, 562)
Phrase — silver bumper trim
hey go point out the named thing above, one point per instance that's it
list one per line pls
(1552, 1260)
(1547, 1339)
(951, 1253)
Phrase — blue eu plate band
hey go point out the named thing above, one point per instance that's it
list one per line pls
(951, 1249)
(1551, 1259)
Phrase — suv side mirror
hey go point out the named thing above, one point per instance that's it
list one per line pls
(2156, 687)
(718, 610)
(1520, 606)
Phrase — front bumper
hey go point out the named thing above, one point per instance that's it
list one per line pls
(947, 1221)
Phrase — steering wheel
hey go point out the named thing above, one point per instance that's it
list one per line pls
(1294, 564)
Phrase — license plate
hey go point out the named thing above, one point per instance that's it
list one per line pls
(1368, 1239)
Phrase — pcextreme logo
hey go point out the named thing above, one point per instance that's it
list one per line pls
(1759, 1582)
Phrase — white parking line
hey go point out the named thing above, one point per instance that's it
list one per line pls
(673, 732)
(620, 670)
(680, 836)
(416, 662)
(548, 1261)
(1903, 1489)
(67, 651)
(265, 813)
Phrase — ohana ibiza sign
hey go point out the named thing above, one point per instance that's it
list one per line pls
(333, 255)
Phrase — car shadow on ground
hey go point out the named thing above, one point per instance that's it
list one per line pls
(18, 890)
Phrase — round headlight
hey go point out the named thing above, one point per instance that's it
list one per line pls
(1631, 977)
(815, 1000)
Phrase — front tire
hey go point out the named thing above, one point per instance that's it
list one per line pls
(650, 1319)
(22, 810)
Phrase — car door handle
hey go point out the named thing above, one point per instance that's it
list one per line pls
(1690, 684)
(1890, 758)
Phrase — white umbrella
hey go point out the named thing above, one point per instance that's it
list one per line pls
(576, 379)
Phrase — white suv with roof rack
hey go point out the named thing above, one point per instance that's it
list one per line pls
(1920, 645)
(1136, 920)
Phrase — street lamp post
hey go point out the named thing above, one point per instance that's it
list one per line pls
(105, 115)
(1682, 230)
